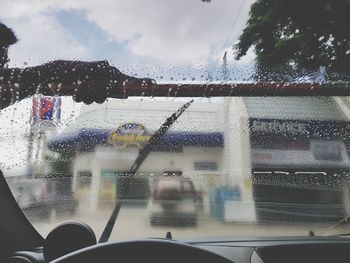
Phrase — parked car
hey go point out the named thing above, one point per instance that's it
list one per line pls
(39, 197)
(174, 197)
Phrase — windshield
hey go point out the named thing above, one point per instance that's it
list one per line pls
(228, 166)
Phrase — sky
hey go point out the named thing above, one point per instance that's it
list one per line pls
(139, 37)
(162, 39)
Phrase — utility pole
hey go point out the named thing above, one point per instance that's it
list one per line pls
(44, 118)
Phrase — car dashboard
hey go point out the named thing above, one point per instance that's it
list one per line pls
(313, 249)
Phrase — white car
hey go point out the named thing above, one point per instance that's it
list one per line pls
(173, 197)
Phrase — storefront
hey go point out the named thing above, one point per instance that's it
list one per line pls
(107, 146)
(237, 152)
(306, 153)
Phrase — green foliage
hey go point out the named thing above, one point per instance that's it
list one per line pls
(306, 34)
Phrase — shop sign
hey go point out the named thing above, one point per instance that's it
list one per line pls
(278, 127)
(46, 108)
(205, 165)
(129, 134)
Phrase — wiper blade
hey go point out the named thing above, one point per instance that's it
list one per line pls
(156, 137)
(337, 224)
(143, 154)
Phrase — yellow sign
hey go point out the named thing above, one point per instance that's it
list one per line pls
(129, 134)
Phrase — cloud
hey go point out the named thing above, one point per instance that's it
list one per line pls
(171, 32)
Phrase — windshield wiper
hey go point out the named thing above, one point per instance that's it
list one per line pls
(154, 140)
(337, 224)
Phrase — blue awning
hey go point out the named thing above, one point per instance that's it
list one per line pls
(88, 139)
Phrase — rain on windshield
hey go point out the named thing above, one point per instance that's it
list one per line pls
(227, 166)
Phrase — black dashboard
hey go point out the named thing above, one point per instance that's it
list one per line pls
(313, 249)
(282, 250)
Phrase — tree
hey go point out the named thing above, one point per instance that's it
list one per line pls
(7, 38)
(298, 34)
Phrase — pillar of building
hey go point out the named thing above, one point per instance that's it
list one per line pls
(237, 159)
(94, 188)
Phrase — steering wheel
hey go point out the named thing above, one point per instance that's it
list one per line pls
(155, 251)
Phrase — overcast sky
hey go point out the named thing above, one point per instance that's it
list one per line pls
(136, 35)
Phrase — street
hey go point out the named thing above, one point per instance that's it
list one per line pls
(133, 223)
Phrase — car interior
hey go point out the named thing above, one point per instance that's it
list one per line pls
(174, 131)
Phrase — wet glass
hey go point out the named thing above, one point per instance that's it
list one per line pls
(229, 166)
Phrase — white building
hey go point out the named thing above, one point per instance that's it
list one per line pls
(226, 142)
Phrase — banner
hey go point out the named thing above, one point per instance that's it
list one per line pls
(46, 108)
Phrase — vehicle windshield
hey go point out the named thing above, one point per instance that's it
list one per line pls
(229, 166)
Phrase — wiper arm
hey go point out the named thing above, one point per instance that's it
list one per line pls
(143, 154)
(337, 224)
